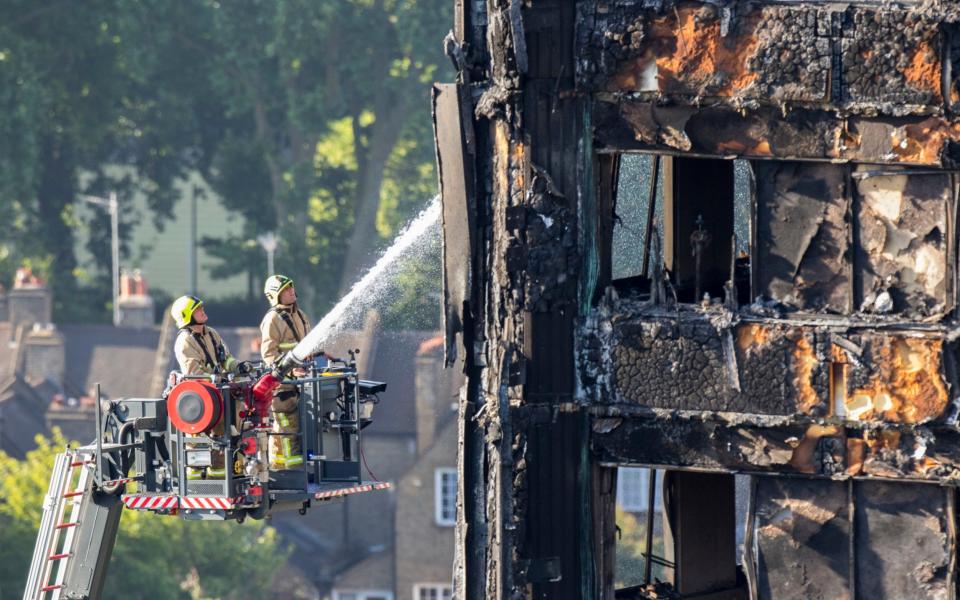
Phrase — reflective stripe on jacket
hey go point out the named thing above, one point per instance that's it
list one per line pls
(276, 337)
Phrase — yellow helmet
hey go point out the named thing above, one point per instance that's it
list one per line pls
(274, 285)
(183, 309)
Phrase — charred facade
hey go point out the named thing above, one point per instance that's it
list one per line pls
(818, 356)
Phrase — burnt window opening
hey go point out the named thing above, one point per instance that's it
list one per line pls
(639, 528)
(902, 241)
(951, 32)
(638, 219)
(838, 387)
(692, 223)
(696, 546)
(853, 239)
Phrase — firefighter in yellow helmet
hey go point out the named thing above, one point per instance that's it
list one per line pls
(282, 328)
(200, 351)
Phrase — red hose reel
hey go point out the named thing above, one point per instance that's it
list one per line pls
(195, 406)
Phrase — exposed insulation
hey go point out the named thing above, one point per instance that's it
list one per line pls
(766, 132)
(685, 53)
(764, 444)
(903, 242)
(853, 59)
(793, 56)
(802, 259)
(923, 142)
(661, 362)
(683, 366)
(800, 528)
(804, 363)
(906, 386)
(891, 56)
(903, 542)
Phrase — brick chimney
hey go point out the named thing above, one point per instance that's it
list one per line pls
(136, 306)
(28, 302)
(430, 384)
(42, 354)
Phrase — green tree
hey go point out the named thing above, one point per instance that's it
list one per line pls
(631, 546)
(413, 298)
(308, 118)
(154, 557)
(77, 96)
(330, 143)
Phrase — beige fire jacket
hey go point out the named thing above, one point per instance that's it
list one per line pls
(276, 335)
(200, 353)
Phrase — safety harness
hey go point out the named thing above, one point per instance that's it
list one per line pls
(218, 348)
(285, 315)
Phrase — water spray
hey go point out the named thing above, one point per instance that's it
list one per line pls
(312, 344)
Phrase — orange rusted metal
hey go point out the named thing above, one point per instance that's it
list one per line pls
(923, 142)
(752, 335)
(804, 363)
(907, 386)
(688, 52)
(802, 458)
(925, 69)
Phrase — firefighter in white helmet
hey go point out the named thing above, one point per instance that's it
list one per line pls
(200, 351)
(281, 330)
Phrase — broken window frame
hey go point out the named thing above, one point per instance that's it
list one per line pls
(850, 518)
(651, 490)
(656, 221)
(652, 221)
(853, 266)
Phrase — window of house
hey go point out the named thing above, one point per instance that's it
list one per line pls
(445, 496)
(362, 595)
(432, 591)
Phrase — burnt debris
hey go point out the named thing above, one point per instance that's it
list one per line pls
(817, 359)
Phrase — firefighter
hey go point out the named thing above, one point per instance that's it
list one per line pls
(200, 351)
(282, 328)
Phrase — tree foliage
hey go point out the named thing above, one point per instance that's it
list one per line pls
(331, 145)
(154, 557)
(631, 547)
(307, 118)
(413, 298)
(75, 98)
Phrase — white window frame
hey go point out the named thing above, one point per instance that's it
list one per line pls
(363, 594)
(438, 515)
(439, 588)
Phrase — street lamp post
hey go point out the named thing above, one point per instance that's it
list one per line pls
(269, 243)
(192, 250)
(111, 205)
